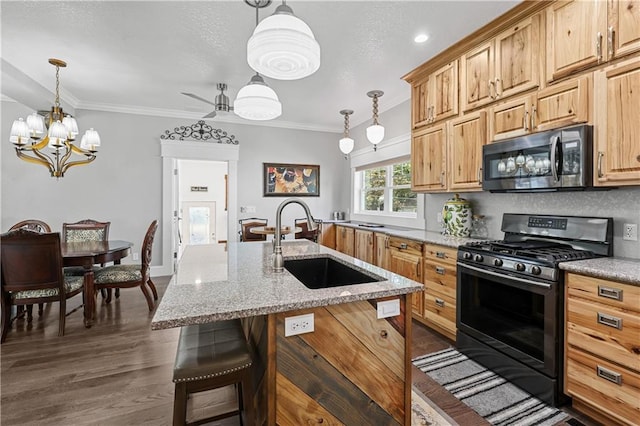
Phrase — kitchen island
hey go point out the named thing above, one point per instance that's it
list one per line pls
(353, 368)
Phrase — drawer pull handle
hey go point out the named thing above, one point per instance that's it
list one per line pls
(440, 270)
(609, 321)
(441, 254)
(610, 293)
(440, 302)
(609, 375)
(403, 246)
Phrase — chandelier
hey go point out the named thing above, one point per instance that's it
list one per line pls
(375, 132)
(32, 142)
(346, 143)
(257, 101)
(283, 46)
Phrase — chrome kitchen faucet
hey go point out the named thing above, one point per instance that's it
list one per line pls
(278, 261)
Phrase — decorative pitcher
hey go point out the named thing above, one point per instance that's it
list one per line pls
(456, 215)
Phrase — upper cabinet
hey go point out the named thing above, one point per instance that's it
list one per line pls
(503, 66)
(467, 135)
(585, 33)
(617, 130)
(435, 97)
(428, 159)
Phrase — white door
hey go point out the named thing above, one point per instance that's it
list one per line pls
(198, 222)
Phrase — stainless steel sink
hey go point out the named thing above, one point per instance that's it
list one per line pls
(325, 272)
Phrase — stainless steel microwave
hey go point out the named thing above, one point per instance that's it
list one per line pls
(555, 160)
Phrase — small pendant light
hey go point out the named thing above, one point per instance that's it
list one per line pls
(346, 143)
(375, 132)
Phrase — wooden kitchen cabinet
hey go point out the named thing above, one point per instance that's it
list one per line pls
(381, 257)
(502, 66)
(405, 258)
(345, 240)
(435, 97)
(327, 235)
(617, 124)
(556, 106)
(467, 135)
(582, 34)
(364, 245)
(602, 349)
(428, 159)
(440, 289)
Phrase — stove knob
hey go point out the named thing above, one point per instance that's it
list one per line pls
(466, 255)
(520, 267)
(478, 258)
(535, 270)
(497, 262)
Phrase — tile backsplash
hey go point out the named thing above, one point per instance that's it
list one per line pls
(623, 205)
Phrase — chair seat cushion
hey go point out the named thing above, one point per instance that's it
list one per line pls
(71, 284)
(117, 274)
(210, 350)
(73, 271)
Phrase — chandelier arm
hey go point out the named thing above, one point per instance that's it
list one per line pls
(79, 150)
(77, 163)
(39, 159)
(40, 144)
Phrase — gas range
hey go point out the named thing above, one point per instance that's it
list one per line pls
(534, 245)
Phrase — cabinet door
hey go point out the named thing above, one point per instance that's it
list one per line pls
(420, 107)
(327, 235)
(576, 36)
(409, 266)
(562, 104)
(478, 87)
(467, 134)
(518, 52)
(445, 92)
(364, 245)
(382, 254)
(511, 118)
(617, 124)
(623, 34)
(345, 240)
(428, 159)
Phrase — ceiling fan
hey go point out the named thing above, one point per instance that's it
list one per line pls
(221, 102)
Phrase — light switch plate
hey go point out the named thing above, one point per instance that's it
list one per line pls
(388, 308)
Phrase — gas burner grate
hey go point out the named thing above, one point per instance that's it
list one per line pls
(556, 254)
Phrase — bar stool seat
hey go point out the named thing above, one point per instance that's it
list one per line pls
(211, 356)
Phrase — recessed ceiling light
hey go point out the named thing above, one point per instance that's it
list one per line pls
(421, 38)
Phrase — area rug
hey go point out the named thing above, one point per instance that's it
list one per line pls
(491, 396)
(426, 413)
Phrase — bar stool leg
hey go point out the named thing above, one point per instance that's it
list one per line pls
(180, 405)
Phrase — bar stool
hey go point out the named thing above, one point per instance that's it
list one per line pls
(211, 356)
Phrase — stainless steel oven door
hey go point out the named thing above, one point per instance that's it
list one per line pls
(517, 317)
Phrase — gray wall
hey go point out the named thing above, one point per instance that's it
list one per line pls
(124, 184)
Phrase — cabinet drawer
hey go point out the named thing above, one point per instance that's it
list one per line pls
(604, 331)
(606, 386)
(441, 278)
(406, 246)
(619, 295)
(440, 254)
(441, 311)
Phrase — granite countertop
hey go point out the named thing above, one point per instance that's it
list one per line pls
(203, 290)
(430, 237)
(619, 269)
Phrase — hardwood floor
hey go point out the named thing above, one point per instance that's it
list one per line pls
(119, 371)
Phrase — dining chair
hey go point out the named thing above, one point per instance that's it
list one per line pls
(305, 233)
(32, 273)
(247, 224)
(37, 226)
(132, 275)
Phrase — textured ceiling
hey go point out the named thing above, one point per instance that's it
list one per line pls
(137, 56)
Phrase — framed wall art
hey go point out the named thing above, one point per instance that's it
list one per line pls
(286, 180)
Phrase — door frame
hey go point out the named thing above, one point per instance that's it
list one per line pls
(171, 151)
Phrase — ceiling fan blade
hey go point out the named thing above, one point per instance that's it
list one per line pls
(191, 95)
(210, 115)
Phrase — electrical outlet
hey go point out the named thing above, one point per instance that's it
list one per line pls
(299, 324)
(136, 256)
(630, 232)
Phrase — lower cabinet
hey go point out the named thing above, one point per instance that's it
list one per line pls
(381, 257)
(364, 244)
(440, 289)
(345, 240)
(405, 258)
(327, 235)
(602, 349)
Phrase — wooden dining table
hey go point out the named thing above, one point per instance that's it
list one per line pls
(90, 253)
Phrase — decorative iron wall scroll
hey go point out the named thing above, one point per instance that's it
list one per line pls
(200, 131)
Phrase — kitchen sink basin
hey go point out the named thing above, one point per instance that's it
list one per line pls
(325, 272)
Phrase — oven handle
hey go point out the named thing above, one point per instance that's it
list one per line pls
(485, 271)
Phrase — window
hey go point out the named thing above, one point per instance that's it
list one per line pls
(386, 190)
